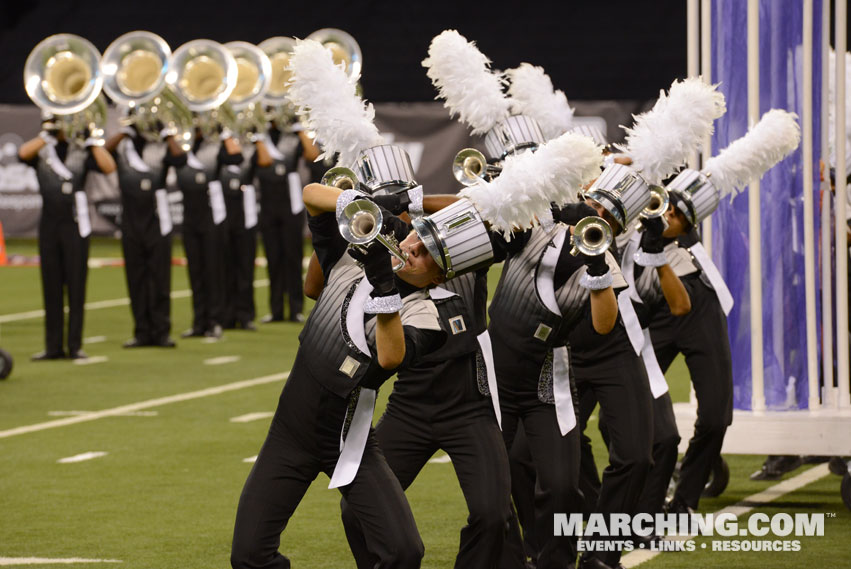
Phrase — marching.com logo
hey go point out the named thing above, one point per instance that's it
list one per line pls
(623, 532)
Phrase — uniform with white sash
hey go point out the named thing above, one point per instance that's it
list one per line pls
(701, 336)
(282, 223)
(530, 317)
(146, 235)
(447, 401)
(63, 240)
(203, 232)
(323, 420)
(240, 230)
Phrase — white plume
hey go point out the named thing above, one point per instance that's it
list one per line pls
(532, 94)
(324, 93)
(662, 139)
(768, 142)
(530, 181)
(464, 80)
(832, 109)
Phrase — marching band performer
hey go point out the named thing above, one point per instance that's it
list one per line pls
(63, 233)
(145, 234)
(203, 214)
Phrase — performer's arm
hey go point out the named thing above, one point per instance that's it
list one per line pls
(28, 151)
(314, 280)
(310, 150)
(113, 141)
(264, 159)
(319, 199)
(390, 340)
(103, 159)
(604, 310)
(653, 245)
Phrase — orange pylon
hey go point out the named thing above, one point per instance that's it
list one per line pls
(4, 260)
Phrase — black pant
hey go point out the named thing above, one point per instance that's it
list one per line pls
(523, 486)
(283, 239)
(240, 254)
(204, 244)
(481, 463)
(621, 387)
(64, 257)
(556, 462)
(147, 266)
(701, 336)
(665, 441)
(302, 442)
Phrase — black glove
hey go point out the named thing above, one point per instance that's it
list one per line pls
(652, 241)
(394, 203)
(378, 267)
(596, 265)
(572, 213)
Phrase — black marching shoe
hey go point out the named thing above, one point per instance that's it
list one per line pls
(270, 318)
(248, 325)
(164, 343)
(297, 317)
(135, 343)
(214, 332)
(677, 505)
(44, 356)
(776, 466)
(78, 355)
(192, 333)
(594, 563)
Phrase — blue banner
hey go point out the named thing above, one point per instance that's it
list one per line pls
(781, 197)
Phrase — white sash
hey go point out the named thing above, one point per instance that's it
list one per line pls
(628, 265)
(630, 321)
(56, 164)
(487, 352)
(193, 162)
(163, 211)
(658, 385)
(133, 157)
(351, 449)
(714, 276)
(296, 199)
(249, 205)
(546, 273)
(217, 201)
(84, 224)
(273, 151)
(565, 413)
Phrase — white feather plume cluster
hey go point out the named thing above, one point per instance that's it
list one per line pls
(323, 92)
(465, 82)
(532, 94)
(530, 181)
(768, 142)
(832, 109)
(662, 139)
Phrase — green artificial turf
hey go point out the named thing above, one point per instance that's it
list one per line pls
(165, 495)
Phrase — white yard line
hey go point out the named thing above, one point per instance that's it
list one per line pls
(640, 556)
(76, 413)
(94, 339)
(247, 418)
(15, 561)
(132, 407)
(250, 459)
(104, 304)
(82, 457)
(222, 360)
(90, 361)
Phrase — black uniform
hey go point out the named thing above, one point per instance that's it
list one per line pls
(236, 176)
(63, 253)
(147, 252)
(325, 383)
(281, 229)
(203, 239)
(443, 402)
(525, 333)
(701, 336)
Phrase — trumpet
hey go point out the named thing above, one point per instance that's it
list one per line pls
(592, 236)
(659, 200)
(344, 49)
(361, 222)
(340, 177)
(470, 166)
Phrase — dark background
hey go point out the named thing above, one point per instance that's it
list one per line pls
(591, 49)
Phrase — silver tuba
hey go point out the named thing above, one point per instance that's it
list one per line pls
(361, 222)
(203, 73)
(134, 68)
(469, 166)
(278, 50)
(344, 49)
(592, 236)
(254, 72)
(62, 74)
